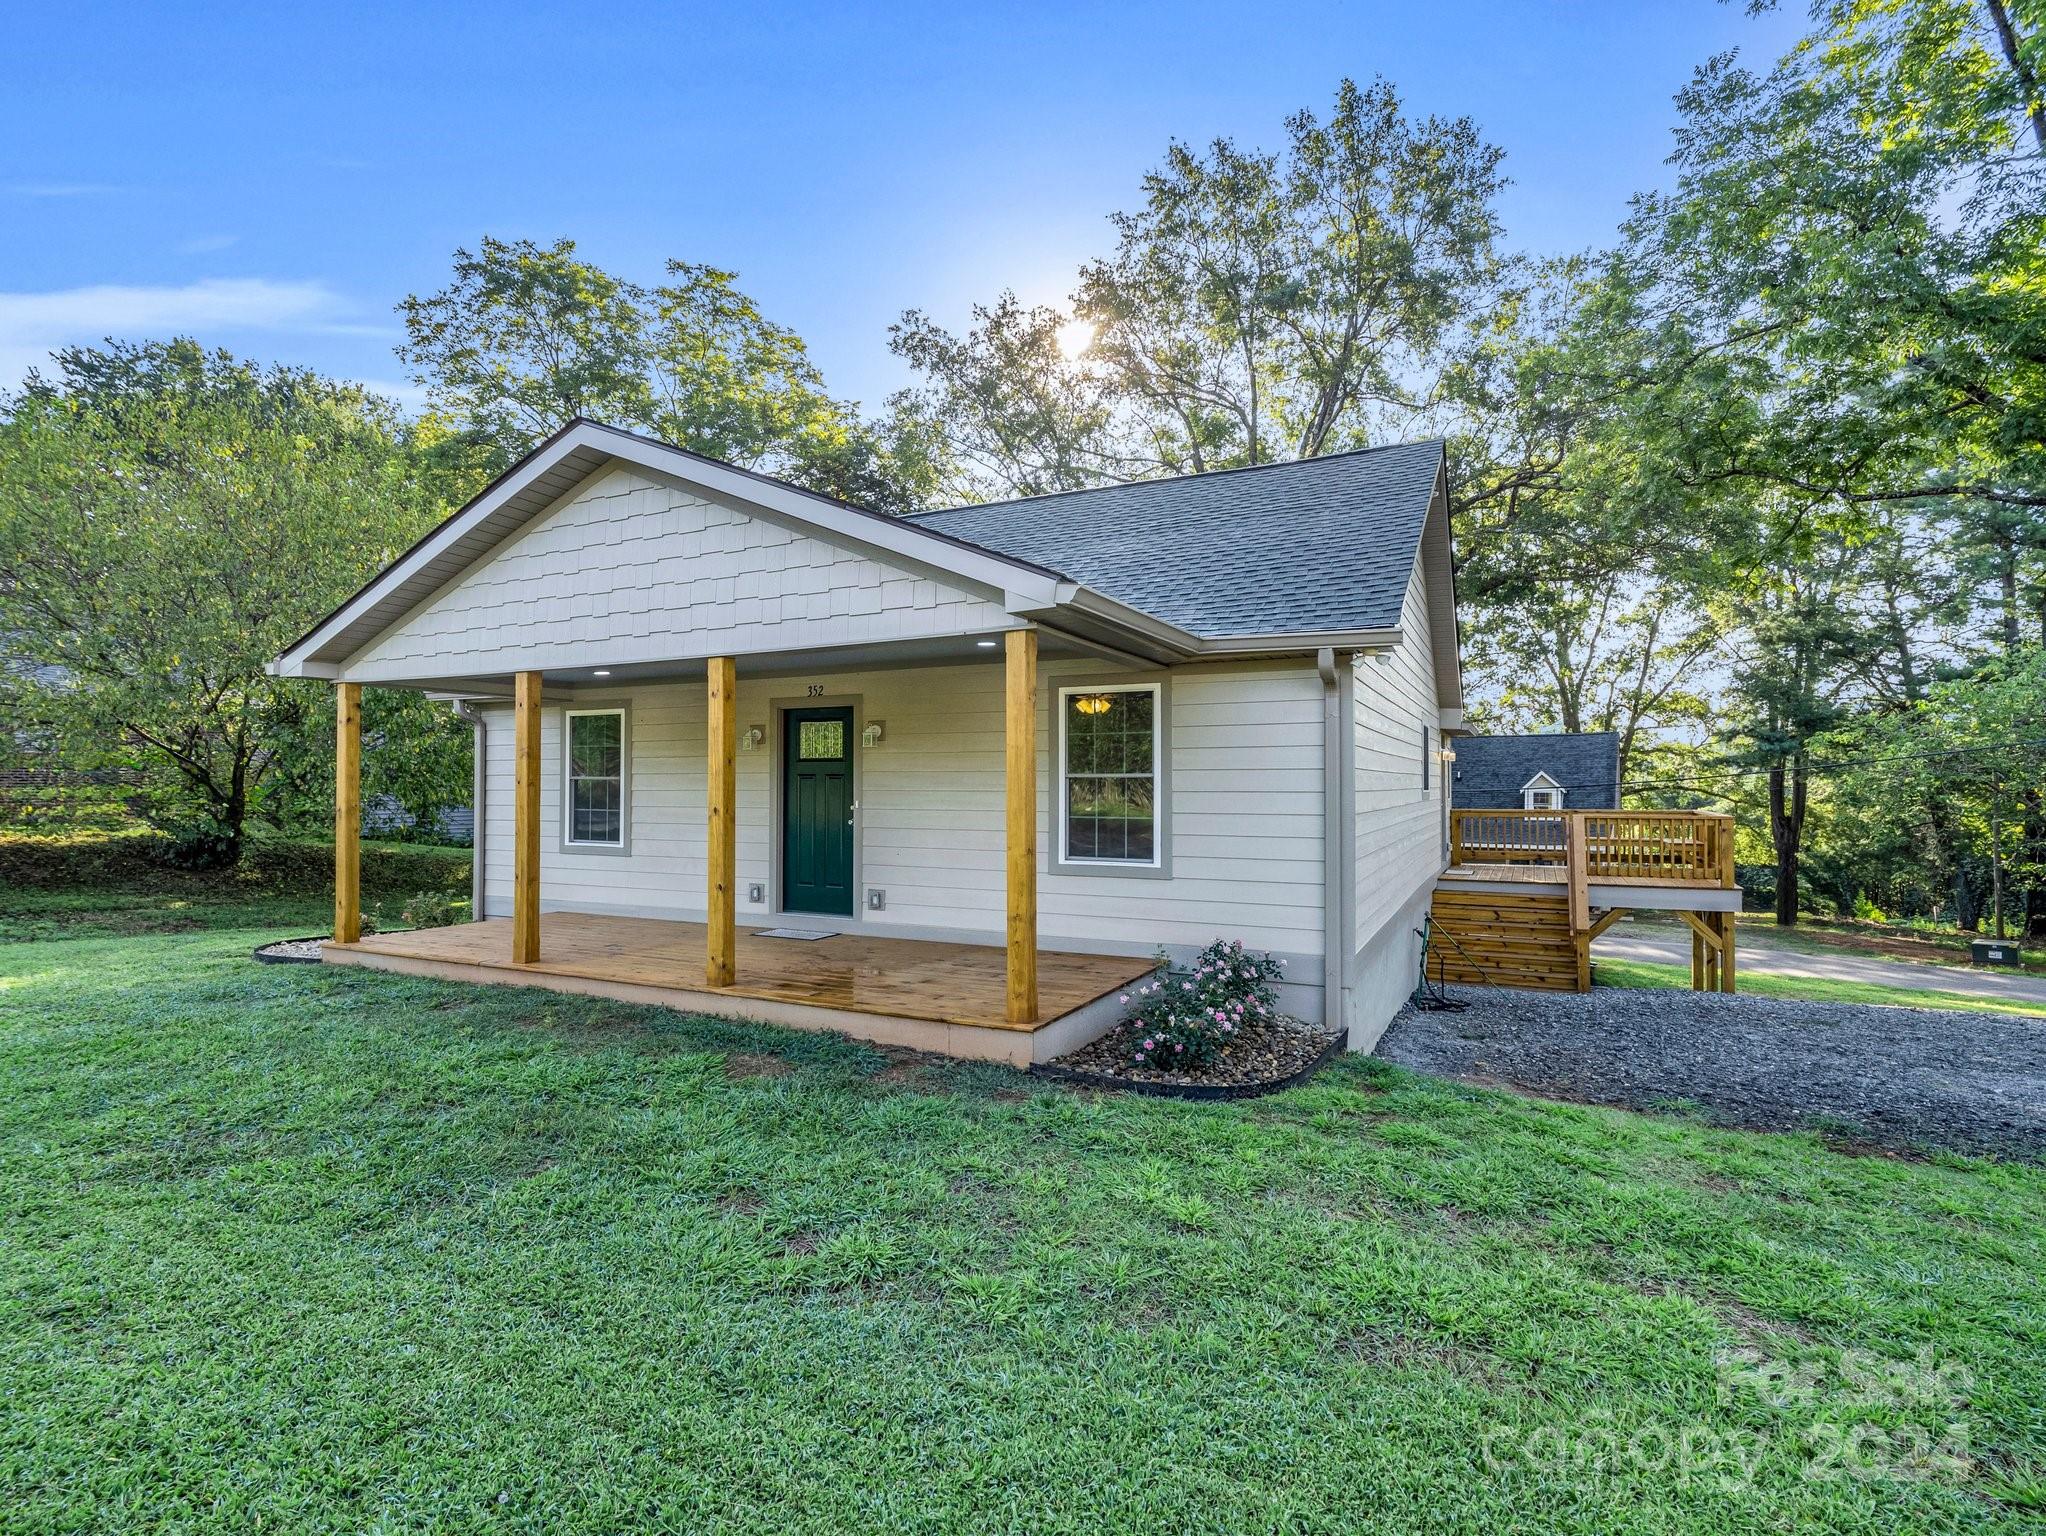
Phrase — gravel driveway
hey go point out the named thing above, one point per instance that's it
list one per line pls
(1902, 1078)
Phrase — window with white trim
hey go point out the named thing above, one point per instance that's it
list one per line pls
(1542, 799)
(1108, 775)
(593, 798)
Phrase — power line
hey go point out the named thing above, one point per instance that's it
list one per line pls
(1813, 766)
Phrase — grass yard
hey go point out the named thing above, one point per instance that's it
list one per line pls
(1817, 989)
(93, 882)
(314, 1249)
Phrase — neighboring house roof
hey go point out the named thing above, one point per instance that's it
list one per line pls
(1492, 772)
(1276, 559)
(1308, 545)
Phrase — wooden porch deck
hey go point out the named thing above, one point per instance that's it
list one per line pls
(923, 994)
(1526, 892)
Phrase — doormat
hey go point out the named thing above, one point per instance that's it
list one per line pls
(791, 933)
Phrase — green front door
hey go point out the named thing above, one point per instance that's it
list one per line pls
(817, 811)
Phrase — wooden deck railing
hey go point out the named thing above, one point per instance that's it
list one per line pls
(1638, 847)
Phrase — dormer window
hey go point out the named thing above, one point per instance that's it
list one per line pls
(1542, 793)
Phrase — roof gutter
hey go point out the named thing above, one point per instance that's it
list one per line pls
(1183, 644)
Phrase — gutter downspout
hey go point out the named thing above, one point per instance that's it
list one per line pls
(477, 821)
(1339, 835)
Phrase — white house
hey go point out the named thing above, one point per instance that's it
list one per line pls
(1001, 755)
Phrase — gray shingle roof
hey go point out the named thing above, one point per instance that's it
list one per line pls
(1310, 545)
(1491, 771)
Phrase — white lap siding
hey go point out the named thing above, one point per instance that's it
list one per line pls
(1400, 825)
(1243, 797)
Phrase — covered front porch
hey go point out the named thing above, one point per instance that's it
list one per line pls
(917, 993)
(924, 993)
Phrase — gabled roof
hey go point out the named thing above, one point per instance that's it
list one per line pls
(1307, 546)
(1495, 771)
(1274, 559)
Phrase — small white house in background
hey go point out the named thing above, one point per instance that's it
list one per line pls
(1094, 725)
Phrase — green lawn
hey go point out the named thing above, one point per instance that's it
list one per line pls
(1818, 989)
(93, 882)
(313, 1249)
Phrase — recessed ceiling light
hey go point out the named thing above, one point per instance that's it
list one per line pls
(603, 671)
(986, 645)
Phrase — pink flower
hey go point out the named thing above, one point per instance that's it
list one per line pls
(1140, 1055)
(1147, 1045)
(1177, 1046)
(1124, 999)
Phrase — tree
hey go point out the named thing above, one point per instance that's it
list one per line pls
(1257, 307)
(170, 519)
(527, 338)
(1618, 657)
(1016, 415)
(1863, 224)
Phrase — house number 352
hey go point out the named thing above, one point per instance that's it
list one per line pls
(816, 690)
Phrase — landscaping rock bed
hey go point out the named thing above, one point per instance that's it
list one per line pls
(1902, 1079)
(292, 951)
(1264, 1058)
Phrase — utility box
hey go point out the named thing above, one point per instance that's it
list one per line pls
(1996, 952)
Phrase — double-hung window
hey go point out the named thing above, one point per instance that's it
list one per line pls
(1109, 776)
(593, 801)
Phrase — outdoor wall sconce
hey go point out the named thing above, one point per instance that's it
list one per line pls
(751, 737)
(871, 736)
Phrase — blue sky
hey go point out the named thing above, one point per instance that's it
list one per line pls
(276, 179)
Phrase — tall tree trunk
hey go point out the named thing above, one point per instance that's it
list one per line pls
(2014, 55)
(1786, 831)
(2034, 829)
(1967, 913)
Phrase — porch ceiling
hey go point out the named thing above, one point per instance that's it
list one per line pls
(947, 650)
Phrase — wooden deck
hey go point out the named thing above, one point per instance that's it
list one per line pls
(931, 996)
(1526, 892)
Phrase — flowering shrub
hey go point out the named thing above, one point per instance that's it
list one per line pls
(1183, 1018)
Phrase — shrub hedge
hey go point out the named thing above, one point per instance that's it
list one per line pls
(269, 866)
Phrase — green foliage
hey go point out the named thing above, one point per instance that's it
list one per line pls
(1184, 1017)
(72, 884)
(170, 520)
(433, 909)
(1257, 306)
(528, 337)
(311, 1248)
(1939, 804)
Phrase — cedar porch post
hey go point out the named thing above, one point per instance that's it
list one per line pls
(721, 967)
(1020, 729)
(347, 812)
(526, 819)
